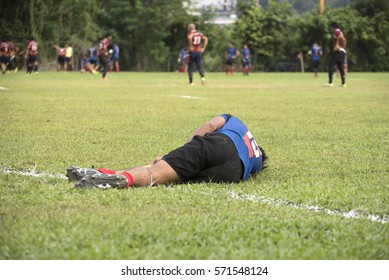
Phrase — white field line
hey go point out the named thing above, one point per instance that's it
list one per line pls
(312, 208)
(31, 173)
(354, 214)
(190, 97)
(3, 88)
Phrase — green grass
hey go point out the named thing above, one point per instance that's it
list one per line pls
(328, 147)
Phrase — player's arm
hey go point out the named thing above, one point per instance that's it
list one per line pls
(237, 53)
(189, 43)
(209, 127)
(205, 44)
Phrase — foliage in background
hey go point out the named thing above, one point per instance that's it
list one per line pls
(151, 32)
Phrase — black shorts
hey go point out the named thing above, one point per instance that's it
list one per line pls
(32, 58)
(230, 62)
(209, 158)
(61, 60)
(4, 59)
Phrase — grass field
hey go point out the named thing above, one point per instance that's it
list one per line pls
(328, 149)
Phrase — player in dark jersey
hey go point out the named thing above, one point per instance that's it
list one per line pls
(221, 150)
(338, 54)
(115, 59)
(92, 57)
(104, 54)
(246, 60)
(195, 40)
(182, 61)
(5, 51)
(32, 51)
(61, 55)
(316, 53)
(230, 54)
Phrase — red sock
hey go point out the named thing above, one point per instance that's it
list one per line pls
(106, 171)
(129, 178)
(226, 71)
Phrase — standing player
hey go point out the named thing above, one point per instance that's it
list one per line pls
(338, 55)
(316, 53)
(231, 53)
(103, 54)
(4, 55)
(92, 58)
(246, 61)
(115, 59)
(69, 58)
(195, 50)
(182, 61)
(32, 51)
(61, 55)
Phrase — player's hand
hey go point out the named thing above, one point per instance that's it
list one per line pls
(202, 50)
(156, 159)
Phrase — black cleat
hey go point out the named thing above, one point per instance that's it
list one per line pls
(102, 181)
(75, 173)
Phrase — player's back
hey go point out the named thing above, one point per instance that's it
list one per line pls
(195, 39)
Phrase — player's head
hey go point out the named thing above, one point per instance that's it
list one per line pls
(108, 35)
(245, 46)
(333, 26)
(191, 27)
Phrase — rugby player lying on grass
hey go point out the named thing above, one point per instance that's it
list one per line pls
(221, 150)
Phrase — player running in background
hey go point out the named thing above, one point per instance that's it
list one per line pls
(222, 150)
(32, 51)
(115, 59)
(182, 61)
(104, 55)
(69, 57)
(61, 55)
(92, 57)
(230, 54)
(338, 55)
(316, 53)
(13, 50)
(195, 39)
(246, 60)
(5, 52)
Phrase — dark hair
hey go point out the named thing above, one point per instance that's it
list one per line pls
(108, 34)
(264, 158)
(333, 24)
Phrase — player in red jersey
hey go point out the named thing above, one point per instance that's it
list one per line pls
(104, 53)
(195, 40)
(338, 54)
(5, 51)
(61, 54)
(32, 51)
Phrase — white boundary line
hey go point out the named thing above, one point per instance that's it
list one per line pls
(311, 208)
(31, 173)
(352, 214)
(3, 88)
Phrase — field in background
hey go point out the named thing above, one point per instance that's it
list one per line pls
(328, 149)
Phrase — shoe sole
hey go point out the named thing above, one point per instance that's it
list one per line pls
(73, 173)
(102, 181)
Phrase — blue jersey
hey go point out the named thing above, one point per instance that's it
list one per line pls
(248, 150)
(231, 53)
(183, 54)
(316, 51)
(116, 50)
(92, 53)
(246, 54)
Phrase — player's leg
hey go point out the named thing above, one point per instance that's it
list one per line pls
(340, 64)
(331, 69)
(159, 173)
(190, 68)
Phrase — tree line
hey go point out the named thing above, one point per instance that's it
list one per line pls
(150, 33)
